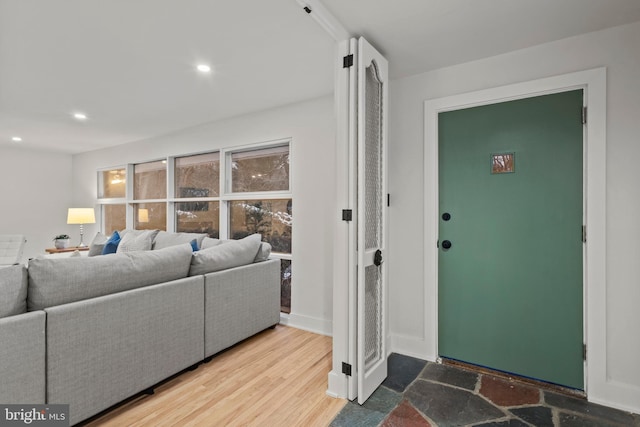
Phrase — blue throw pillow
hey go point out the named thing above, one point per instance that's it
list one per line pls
(112, 244)
(194, 245)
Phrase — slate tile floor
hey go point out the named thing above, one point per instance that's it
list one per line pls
(421, 394)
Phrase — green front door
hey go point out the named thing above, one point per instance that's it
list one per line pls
(510, 282)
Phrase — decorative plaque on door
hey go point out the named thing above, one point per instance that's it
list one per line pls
(503, 163)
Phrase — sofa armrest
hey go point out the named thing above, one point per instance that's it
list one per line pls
(22, 358)
(240, 302)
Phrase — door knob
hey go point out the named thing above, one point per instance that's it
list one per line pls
(446, 216)
(446, 244)
(377, 258)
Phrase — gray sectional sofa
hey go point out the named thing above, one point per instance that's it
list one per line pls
(93, 331)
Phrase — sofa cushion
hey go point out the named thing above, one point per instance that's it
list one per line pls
(263, 252)
(209, 242)
(13, 290)
(165, 239)
(112, 244)
(137, 240)
(97, 244)
(11, 247)
(63, 280)
(233, 253)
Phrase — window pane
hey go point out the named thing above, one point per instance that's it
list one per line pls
(197, 176)
(150, 180)
(271, 218)
(115, 218)
(198, 217)
(266, 169)
(112, 183)
(285, 286)
(150, 216)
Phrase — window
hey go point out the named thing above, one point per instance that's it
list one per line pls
(259, 193)
(197, 176)
(191, 220)
(150, 180)
(264, 169)
(150, 216)
(112, 188)
(112, 184)
(197, 179)
(285, 286)
(150, 183)
(271, 218)
(249, 192)
(115, 217)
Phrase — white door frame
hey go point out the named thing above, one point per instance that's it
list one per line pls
(339, 385)
(594, 84)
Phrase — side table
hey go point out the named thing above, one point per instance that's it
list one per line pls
(70, 249)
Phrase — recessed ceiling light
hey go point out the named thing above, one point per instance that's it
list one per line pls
(79, 116)
(16, 139)
(203, 68)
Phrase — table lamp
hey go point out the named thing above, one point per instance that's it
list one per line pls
(81, 216)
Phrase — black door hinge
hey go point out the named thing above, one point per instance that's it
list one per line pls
(388, 199)
(347, 61)
(346, 369)
(347, 215)
(584, 115)
(584, 234)
(584, 352)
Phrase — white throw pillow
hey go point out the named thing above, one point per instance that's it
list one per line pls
(209, 242)
(97, 244)
(137, 240)
(164, 239)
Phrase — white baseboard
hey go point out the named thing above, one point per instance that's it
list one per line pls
(337, 385)
(616, 395)
(411, 346)
(307, 323)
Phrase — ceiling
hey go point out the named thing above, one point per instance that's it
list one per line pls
(130, 65)
(421, 35)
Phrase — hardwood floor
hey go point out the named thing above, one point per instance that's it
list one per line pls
(277, 378)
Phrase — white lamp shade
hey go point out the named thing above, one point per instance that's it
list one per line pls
(81, 216)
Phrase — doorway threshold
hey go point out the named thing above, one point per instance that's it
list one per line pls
(567, 391)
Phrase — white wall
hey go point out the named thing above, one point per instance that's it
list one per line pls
(35, 193)
(616, 49)
(311, 126)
